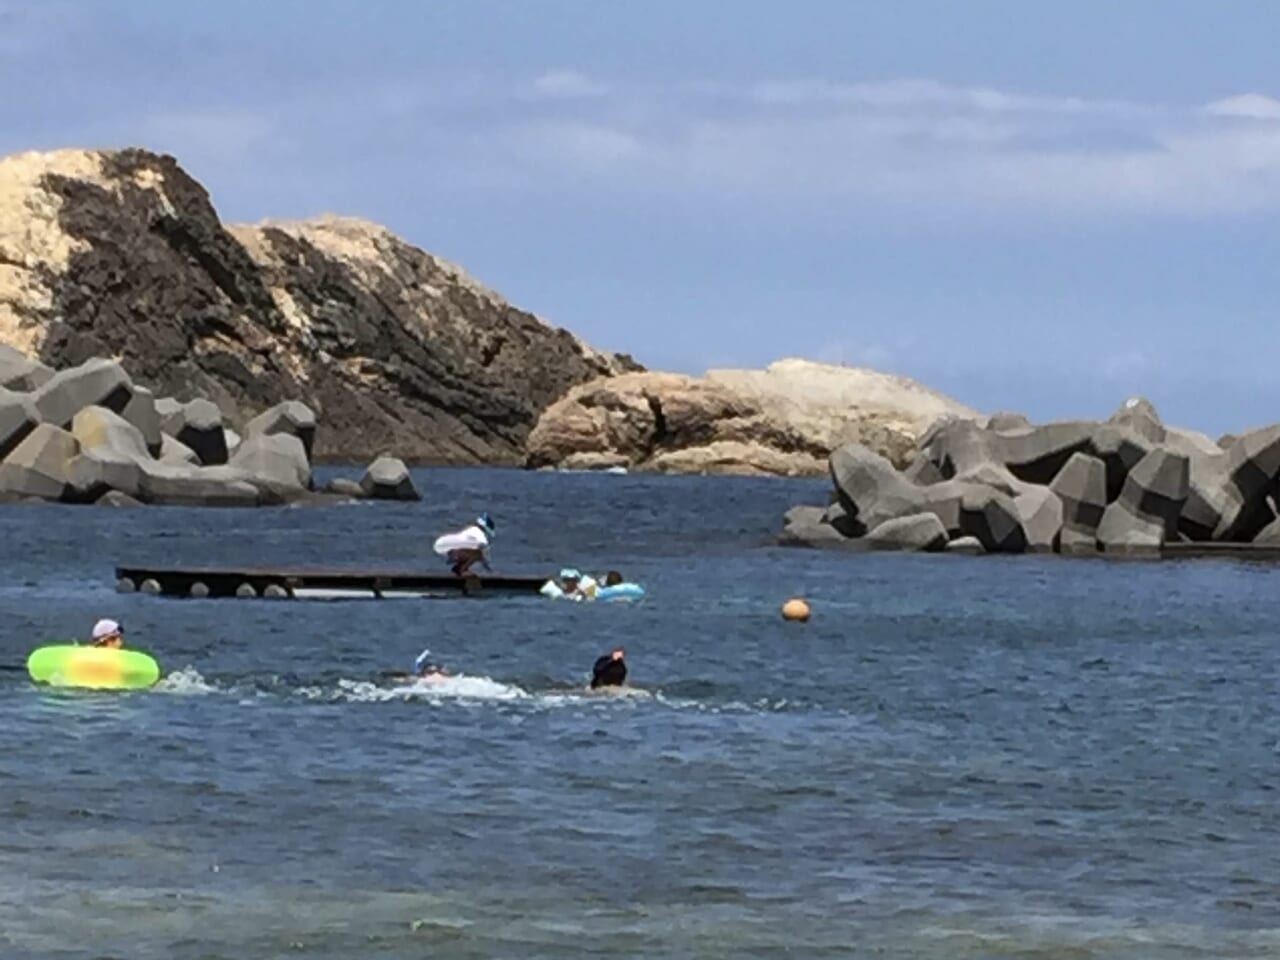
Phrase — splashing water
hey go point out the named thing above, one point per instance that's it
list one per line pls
(185, 681)
(460, 687)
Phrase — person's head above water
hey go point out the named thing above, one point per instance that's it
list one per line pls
(612, 578)
(423, 665)
(610, 670)
(485, 523)
(108, 633)
(569, 578)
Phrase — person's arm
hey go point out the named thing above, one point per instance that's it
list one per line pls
(597, 670)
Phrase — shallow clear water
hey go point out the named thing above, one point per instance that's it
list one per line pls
(956, 758)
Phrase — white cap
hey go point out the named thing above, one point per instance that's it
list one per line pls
(105, 628)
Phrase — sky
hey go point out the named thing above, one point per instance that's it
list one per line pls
(1037, 207)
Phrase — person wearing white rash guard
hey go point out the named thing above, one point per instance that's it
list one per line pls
(572, 585)
(467, 547)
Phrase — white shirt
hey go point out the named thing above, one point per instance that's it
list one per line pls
(586, 590)
(472, 538)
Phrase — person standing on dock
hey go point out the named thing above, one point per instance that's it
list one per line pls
(466, 548)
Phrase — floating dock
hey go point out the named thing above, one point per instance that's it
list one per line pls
(302, 584)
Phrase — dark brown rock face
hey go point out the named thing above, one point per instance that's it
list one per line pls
(392, 347)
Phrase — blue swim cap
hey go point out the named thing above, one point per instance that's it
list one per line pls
(568, 573)
(421, 661)
(485, 521)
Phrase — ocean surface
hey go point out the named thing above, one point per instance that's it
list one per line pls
(955, 758)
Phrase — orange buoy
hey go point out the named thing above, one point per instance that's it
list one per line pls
(795, 609)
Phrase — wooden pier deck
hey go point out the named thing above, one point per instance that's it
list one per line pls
(309, 583)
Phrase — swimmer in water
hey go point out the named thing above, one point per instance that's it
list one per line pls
(427, 671)
(571, 585)
(109, 634)
(610, 670)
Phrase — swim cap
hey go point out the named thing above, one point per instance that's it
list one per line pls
(485, 522)
(421, 661)
(105, 628)
(568, 573)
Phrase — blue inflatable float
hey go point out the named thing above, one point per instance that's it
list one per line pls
(621, 591)
(591, 590)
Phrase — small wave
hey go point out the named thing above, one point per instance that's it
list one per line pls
(460, 688)
(561, 695)
(453, 688)
(185, 681)
(625, 693)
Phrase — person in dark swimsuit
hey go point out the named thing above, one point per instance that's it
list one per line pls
(610, 670)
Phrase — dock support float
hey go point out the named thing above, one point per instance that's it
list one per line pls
(330, 584)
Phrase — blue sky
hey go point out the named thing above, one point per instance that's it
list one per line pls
(1037, 207)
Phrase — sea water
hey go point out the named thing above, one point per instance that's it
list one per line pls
(955, 758)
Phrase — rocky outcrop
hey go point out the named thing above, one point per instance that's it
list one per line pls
(1081, 486)
(811, 527)
(1145, 516)
(1040, 513)
(98, 454)
(278, 460)
(786, 419)
(345, 487)
(291, 417)
(18, 371)
(77, 444)
(1127, 486)
(121, 254)
(1233, 496)
(387, 478)
(918, 531)
(197, 425)
(38, 466)
(17, 419)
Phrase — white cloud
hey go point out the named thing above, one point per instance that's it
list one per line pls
(567, 85)
(917, 144)
(916, 147)
(918, 94)
(594, 146)
(1254, 106)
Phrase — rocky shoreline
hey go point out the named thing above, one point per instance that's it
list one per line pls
(121, 254)
(89, 434)
(240, 341)
(1128, 486)
(784, 420)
